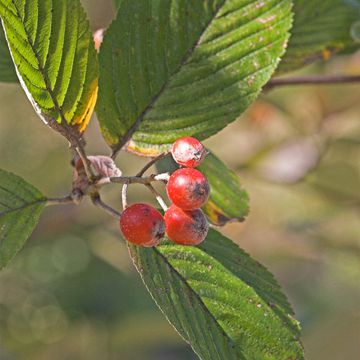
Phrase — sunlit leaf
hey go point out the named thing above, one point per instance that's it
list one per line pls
(225, 304)
(20, 208)
(54, 53)
(174, 68)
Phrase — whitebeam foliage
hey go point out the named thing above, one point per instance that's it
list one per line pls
(20, 208)
(222, 302)
(53, 51)
(174, 68)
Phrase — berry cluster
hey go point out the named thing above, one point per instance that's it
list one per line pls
(188, 189)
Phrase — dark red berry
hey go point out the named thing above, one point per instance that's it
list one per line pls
(188, 151)
(141, 224)
(186, 227)
(188, 188)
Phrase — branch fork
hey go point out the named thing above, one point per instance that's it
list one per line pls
(87, 182)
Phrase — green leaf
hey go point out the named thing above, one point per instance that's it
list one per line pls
(53, 50)
(20, 208)
(225, 304)
(174, 68)
(7, 70)
(228, 201)
(321, 29)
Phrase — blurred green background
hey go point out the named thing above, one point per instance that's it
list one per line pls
(72, 293)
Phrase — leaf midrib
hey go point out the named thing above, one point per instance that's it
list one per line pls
(41, 69)
(23, 207)
(57, 107)
(253, 274)
(202, 304)
(279, 310)
(141, 117)
(281, 302)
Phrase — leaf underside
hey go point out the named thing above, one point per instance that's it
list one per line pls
(321, 29)
(7, 70)
(226, 305)
(174, 68)
(20, 208)
(53, 50)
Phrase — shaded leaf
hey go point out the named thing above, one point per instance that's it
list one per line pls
(228, 201)
(321, 29)
(54, 53)
(225, 304)
(20, 208)
(7, 70)
(175, 68)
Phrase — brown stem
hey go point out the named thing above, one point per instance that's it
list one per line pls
(87, 165)
(139, 180)
(96, 200)
(151, 163)
(313, 80)
(126, 181)
(59, 201)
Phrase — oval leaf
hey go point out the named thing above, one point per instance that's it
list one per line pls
(20, 208)
(7, 70)
(225, 304)
(228, 201)
(321, 29)
(174, 68)
(54, 54)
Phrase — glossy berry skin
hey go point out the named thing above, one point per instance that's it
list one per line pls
(143, 225)
(186, 227)
(188, 151)
(188, 188)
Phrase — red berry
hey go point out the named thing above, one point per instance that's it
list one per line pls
(186, 227)
(143, 225)
(188, 151)
(188, 188)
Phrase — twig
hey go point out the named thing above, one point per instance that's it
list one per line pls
(162, 177)
(313, 80)
(59, 201)
(124, 195)
(87, 165)
(158, 197)
(144, 181)
(152, 162)
(140, 180)
(99, 203)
